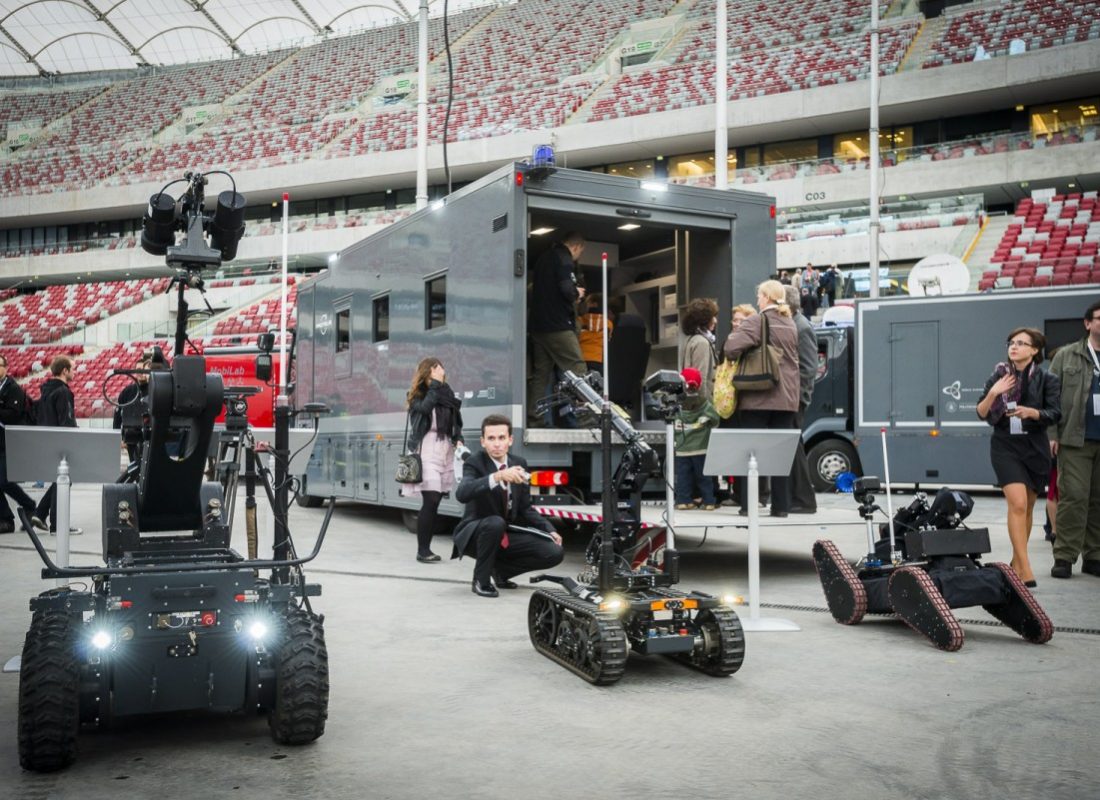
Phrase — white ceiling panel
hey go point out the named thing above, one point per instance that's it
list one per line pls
(68, 36)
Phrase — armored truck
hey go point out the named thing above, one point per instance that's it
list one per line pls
(452, 281)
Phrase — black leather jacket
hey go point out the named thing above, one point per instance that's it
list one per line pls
(1044, 392)
(420, 418)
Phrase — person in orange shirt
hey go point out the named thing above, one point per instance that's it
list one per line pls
(591, 332)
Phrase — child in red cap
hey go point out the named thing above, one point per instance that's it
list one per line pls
(691, 437)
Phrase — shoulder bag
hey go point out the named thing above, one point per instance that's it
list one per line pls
(725, 395)
(758, 367)
(410, 469)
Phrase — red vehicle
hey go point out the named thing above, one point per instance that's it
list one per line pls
(237, 366)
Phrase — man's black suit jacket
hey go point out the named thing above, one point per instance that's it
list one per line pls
(481, 502)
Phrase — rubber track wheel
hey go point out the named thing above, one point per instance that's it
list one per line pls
(49, 694)
(844, 591)
(301, 681)
(919, 604)
(1021, 611)
(731, 644)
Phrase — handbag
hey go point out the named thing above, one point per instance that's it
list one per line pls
(410, 469)
(758, 367)
(725, 395)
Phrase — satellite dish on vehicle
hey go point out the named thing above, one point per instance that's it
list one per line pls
(838, 315)
(938, 274)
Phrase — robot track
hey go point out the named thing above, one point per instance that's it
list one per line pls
(919, 604)
(844, 591)
(575, 634)
(1020, 611)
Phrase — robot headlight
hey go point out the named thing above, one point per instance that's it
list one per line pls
(101, 640)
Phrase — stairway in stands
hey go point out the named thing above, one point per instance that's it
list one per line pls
(930, 33)
(991, 237)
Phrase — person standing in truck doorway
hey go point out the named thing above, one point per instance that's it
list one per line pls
(552, 322)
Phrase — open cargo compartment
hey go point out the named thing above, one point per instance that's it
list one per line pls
(452, 281)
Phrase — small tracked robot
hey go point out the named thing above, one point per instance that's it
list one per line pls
(935, 570)
(588, 624)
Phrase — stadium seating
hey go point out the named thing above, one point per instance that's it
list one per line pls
(259, 317)
(30, 359)
(1053, 243)
(1037, 23)
(47, 315)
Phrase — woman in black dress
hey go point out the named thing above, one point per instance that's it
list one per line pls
(1020, 401)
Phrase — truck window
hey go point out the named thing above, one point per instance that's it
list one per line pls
(380, 319)
(435, 302)
(343, 330)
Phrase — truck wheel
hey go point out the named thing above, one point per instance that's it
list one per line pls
(301, 680)
(828, 459)
(310, 501)
(49, 694)
(444, 526)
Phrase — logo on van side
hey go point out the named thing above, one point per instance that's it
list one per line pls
(323, 324)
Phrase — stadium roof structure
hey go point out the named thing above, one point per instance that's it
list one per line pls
(47, 37)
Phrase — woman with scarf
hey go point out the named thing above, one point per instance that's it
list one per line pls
(700, 320)
(1020, 401)
(435, 429)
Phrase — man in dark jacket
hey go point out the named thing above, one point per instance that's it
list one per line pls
(495, 490)
(552, 322)
(803, 496)
(1076, 442)
(13, 404)
(57, 409)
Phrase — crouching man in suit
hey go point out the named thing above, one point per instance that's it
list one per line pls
(495, 489)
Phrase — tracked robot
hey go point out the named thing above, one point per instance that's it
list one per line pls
(590, 623)
(923, 564)
(175, 619)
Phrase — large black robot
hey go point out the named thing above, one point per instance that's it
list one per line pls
(175, 619)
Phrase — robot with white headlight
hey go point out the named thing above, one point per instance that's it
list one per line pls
(588, 624)
(176, 619)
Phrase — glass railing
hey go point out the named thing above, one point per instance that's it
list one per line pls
(855, 220)
(963, 148)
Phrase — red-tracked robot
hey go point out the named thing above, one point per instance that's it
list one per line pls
(935, 570)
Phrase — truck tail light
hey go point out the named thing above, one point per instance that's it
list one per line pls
(546, 477)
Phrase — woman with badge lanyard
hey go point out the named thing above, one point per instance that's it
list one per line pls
(1021, 401)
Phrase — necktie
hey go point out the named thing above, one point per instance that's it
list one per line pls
(504, 502)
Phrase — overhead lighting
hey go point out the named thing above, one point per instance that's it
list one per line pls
(651, 186)
(1072, 185)
(1019, 106)
(629, 226)
(542, 231)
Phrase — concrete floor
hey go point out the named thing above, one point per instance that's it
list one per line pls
(438, 693)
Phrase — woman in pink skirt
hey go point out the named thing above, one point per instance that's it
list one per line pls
(435, 429)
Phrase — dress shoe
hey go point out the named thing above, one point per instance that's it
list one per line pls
(1061, 568)
(39, 523)
(504, 583)
(779, 514)
(7, 526)
(803, 510)
(431, 558)
(1091, 566)
(483, 591)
